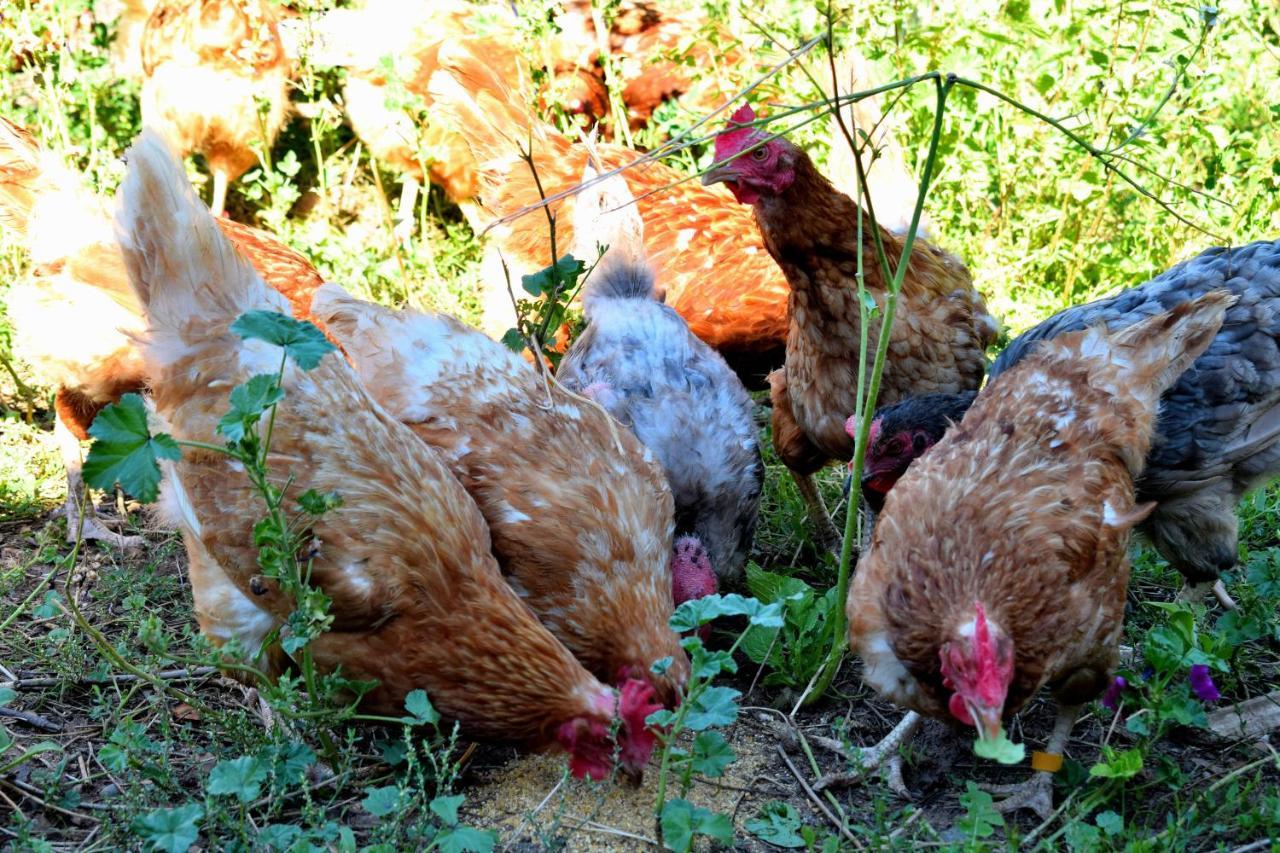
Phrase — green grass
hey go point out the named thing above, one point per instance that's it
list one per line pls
(1040, 224)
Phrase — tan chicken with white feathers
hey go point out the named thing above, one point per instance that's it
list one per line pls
(417, 598)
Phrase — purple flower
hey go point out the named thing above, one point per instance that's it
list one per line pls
(1111, 699)
(1202, 684)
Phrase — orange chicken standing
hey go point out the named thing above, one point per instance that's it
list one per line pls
(998, 565)
(417, 598)
(215, 81)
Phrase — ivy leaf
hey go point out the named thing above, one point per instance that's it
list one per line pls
(248, 402)
(290, 761)
(564, 272)
(711, 754)
(465, 839)
(661, 665)
(171, 830)
(446, 808)
(777, 824)
(241, 777)
(715, 706)
(381, 802)
(1110, 822)
(681, 821)
(420, 708)
(660, 718)
(124, 450)
(699, 611)
(300, 340)
(981, 818)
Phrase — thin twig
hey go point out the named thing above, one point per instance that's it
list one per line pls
(817, 801)
(31, 719)
(165, 675)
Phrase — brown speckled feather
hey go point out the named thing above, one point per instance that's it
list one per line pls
(1026, 506)
(579, 511)
(940, 332)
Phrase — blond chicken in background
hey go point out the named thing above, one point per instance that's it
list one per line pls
(75, 315)
(939, 335)
(578, 509)
(975, 594)
(417, 598)
(710, 262)
(215, 82)
(638, 359)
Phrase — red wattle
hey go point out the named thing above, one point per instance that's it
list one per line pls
(958, 710)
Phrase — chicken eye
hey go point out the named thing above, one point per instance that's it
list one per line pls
(760, 153)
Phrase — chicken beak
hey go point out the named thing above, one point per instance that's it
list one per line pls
(988, 721)
(874, 499)
(718, 174)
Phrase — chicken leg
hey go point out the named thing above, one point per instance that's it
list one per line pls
(1036, 793)
(1194, 593)
(82, 524)
(827, 534)
(219, 203)
(886, 752)
(404, 210)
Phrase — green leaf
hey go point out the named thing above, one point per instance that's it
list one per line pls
(1044, 83)
(708, 665)
(446, 808)
(661, 718)
(715, 706)
(513, 340)
(289, 761)
(465, 839)
(1123, 765)
(248, 402)
(124, 451)
(1110, 822)
(1000, 749)
(681, 821)
(563, 273)
(1083, 837)
(301, 341)
(381, 802)
(981, 818)
(241, 777)
(769, 587)
(711, 754)
(49, 607)
(661, 665)
(171, 830)
(777, 824)
(699, 611)
(279, 836)
(421, 711)
(316, 503)
(7, 695)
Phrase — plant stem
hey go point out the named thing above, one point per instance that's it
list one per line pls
(839, 622)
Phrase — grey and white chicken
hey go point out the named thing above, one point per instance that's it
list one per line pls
(639, 361)
(1218, 433)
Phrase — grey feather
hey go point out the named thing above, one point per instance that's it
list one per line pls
(638, 359)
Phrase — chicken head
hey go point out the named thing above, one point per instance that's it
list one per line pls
(749, 162)
(977, 663)
(589, 740)
(902, 433)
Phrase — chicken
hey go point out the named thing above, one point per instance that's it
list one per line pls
(215, 82)
(638, 359)
(1218, 434)
(389, 50)
(578, 510)
(75, 317)
(939, 335)
(130, 20)
(948, 613)
(417, 598)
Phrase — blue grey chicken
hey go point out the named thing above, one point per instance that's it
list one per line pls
(639, 361)
(1218, 433)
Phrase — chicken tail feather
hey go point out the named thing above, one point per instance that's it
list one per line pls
(1160, 349)
(605, 217)
(186, 274)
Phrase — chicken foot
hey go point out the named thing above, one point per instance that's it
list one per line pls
(827, 534)
(1194, 593)
(887, 752)
(1036, 793)
(82, 523)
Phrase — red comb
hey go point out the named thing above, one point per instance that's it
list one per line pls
(738, 135)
